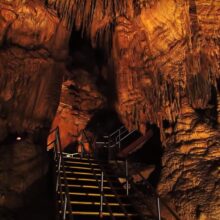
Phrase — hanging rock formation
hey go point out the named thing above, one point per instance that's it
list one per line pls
(167, 69)
(165, 56)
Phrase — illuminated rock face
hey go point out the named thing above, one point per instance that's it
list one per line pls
(190, 176)
(166, 67)
(79, 100)
(160, 60)
(33, 47)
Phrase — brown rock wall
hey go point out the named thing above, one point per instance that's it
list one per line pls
(167, 66)
(166, 59)
(33, 46)
(190, 176)
(80, 99)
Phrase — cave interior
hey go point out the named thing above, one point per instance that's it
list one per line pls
(136, 81)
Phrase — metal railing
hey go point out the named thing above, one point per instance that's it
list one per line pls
(116, 134)
(62, 192)
(159, 202)
(114, 140)
(103, 198)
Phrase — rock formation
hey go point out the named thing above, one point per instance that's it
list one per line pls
(162, 64)
(33, 47)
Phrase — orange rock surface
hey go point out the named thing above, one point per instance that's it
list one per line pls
(162, 65)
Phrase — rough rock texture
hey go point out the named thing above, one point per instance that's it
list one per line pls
(165, 54)
(190, 175)
(167, 67)
(79, 101)
(33, 46)
(166, 59)
(159, 61)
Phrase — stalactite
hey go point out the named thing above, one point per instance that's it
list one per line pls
(105, 6)
(93, 6)
(103, 37)
(71, 18)
(80, 13)
(66, 9)
(198, 91)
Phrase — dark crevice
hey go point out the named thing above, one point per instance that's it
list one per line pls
(151, 154)
(95, 61)
(210, 114)
(104, 122)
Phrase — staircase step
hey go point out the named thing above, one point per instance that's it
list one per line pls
(93, 217)
(94, 194)
(116, 214)
(78, 174)
(93, 197)
(82, 168)
(88, 181)
(81, 163)
(79, 159)
(85, 186)
(98, 203)
(89, 161)
(82, 179)
(93, 189)
(82, 173)
(70, 179)
(96, 208)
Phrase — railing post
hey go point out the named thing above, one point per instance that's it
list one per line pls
(126, 174)
(101, 195)
(64, 208)
(119, 140)
(57, 183)
(107, 144)
(82, 150)
(59, 164)
(55, 151)
(158, 208)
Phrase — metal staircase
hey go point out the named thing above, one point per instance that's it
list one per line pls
(95, 193)
(88, 188)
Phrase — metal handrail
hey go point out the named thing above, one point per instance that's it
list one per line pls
(102, 196)
(117, 197)
(116, 131)
(159, 199)
(119, 137)
(129, 178)
(58, 157)
(112, 188)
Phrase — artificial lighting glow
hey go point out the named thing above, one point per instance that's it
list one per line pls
(18, 138)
